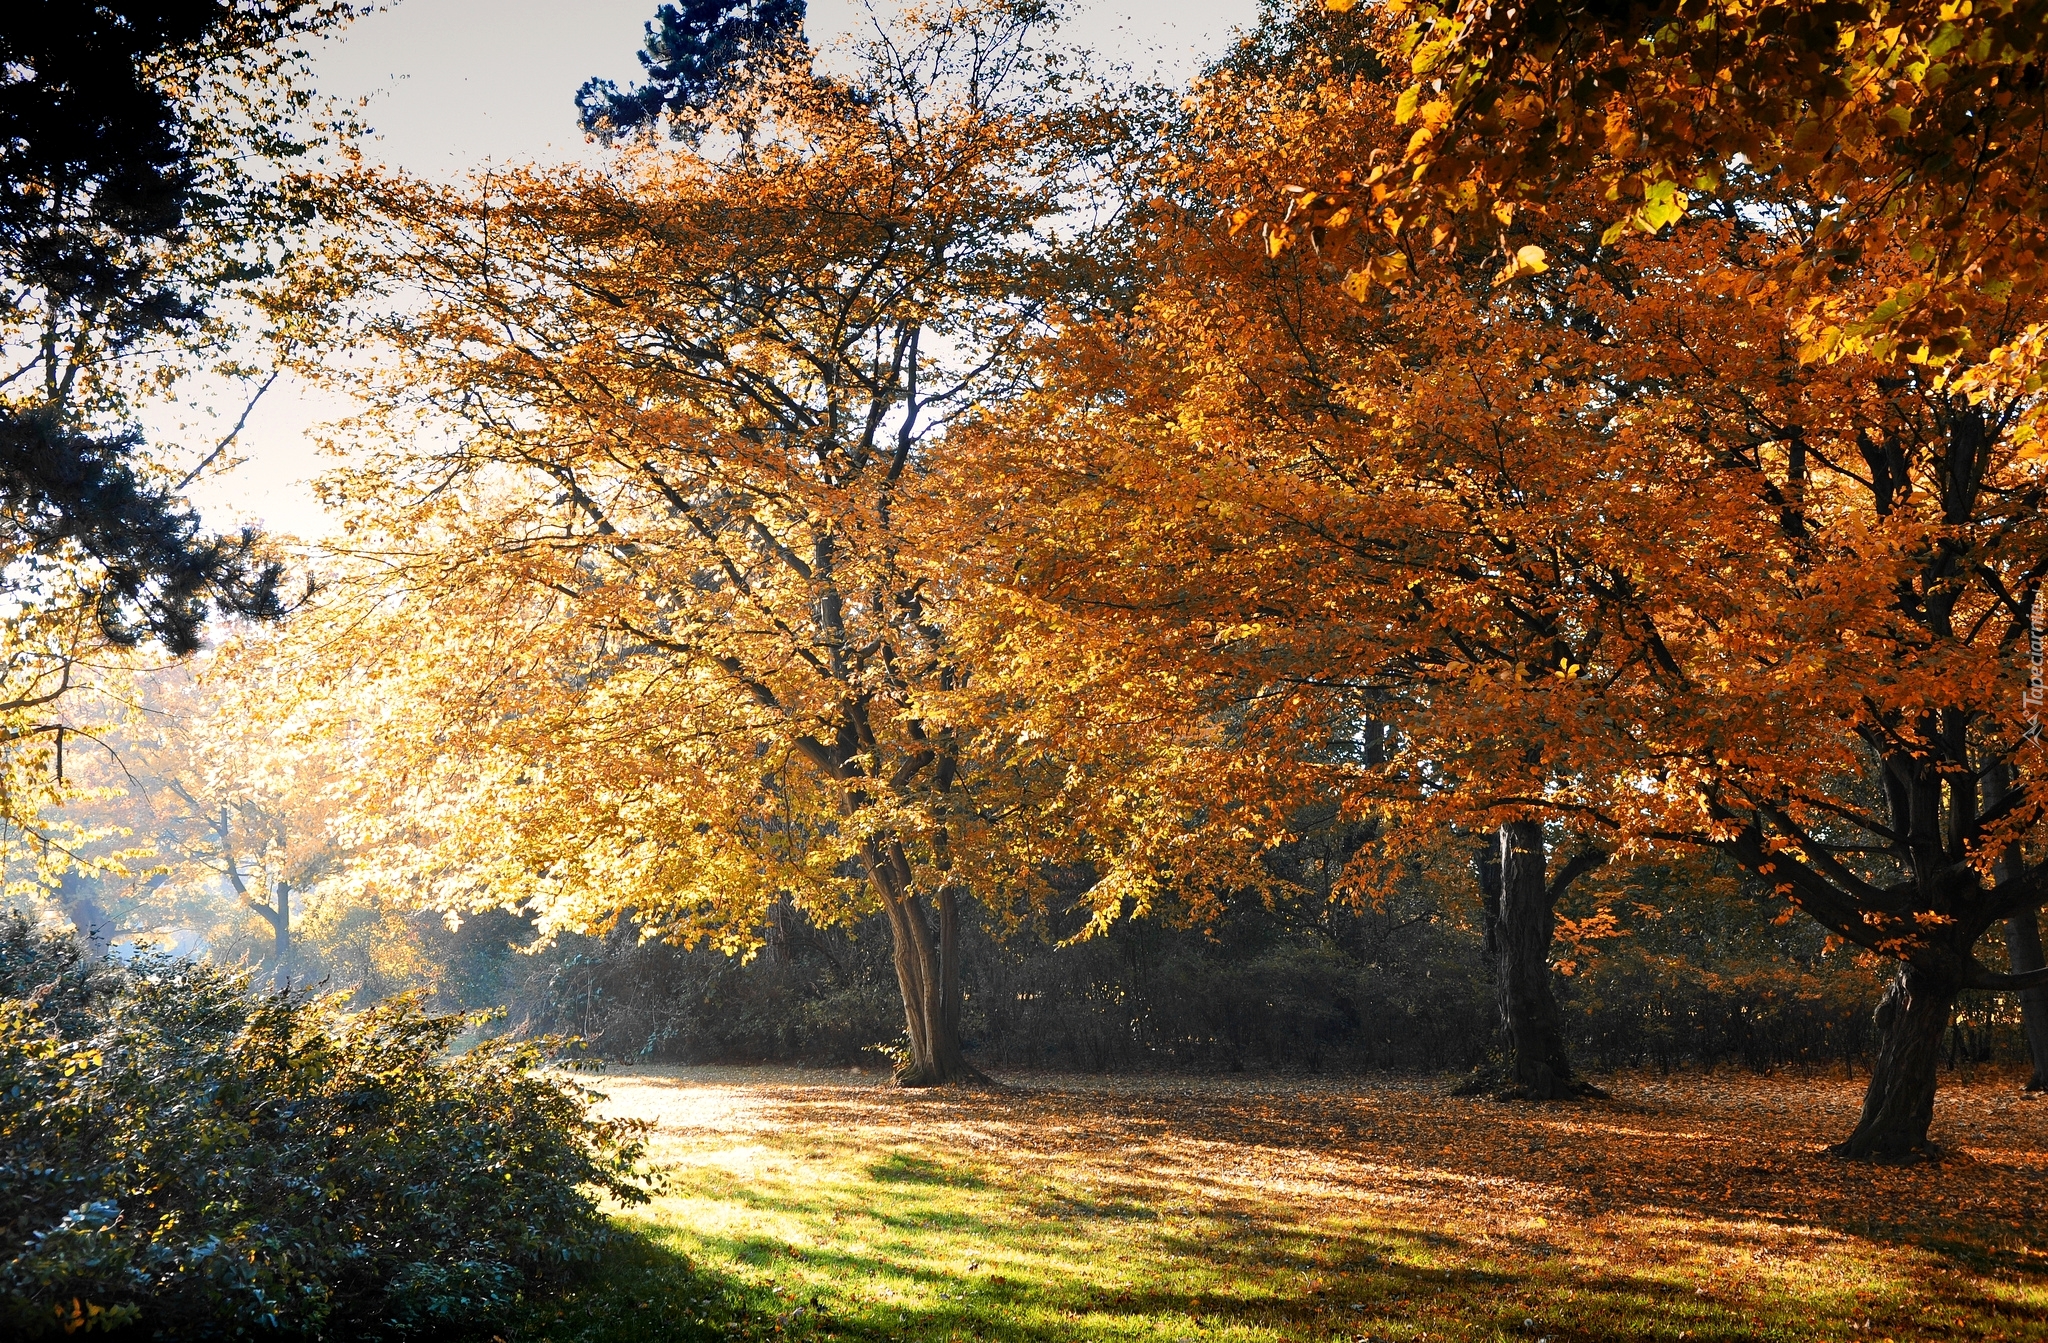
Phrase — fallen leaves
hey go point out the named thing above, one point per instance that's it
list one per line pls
(1171, 1207)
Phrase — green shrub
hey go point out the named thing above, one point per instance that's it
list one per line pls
(180, 1157)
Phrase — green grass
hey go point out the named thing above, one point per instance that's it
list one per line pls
(811, 1208)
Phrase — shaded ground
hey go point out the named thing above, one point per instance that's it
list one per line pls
(1269, 1209)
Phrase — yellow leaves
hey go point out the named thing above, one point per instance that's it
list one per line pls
(1389, 270)
(1432, 116)
(1528, 260)
(1664, 203)
(1278, 240)
(82, 1059)
(1339, 6)
(1238, 219)
(1430, 55)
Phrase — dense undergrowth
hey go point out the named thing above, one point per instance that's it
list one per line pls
(183, 1157)
(1320, 987)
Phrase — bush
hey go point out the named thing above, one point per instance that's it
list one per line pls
(182, 1158)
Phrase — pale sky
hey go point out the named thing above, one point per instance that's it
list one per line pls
(456, 84)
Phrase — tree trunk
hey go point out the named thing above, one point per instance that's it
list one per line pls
(1486, 867)
(2023, 945)
(1912, 1018)
(281, 928)
(775, 933)
(1538, 1068)
(930, 985)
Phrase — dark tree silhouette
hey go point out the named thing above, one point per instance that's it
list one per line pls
(695, 55)
(102, 170)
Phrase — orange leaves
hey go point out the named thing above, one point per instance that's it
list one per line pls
(1616, 545)
(1854, 108)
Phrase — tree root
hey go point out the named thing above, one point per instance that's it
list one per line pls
(1571, 1089)
(969, 1076)
(1851, 1150)
(1494, 1081)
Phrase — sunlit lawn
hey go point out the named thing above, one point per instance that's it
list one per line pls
(824, 1206)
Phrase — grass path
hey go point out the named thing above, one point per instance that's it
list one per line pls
(827, 1206)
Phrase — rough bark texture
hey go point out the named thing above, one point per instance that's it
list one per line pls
(2023, 944)
(929, 977)
(1538, 1068)
(1912, 1017)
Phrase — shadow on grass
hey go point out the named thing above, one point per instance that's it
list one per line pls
(1383, 1295)
(902, 1168)
(649, 1291)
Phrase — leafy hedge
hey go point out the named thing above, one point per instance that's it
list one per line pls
(181, 1157)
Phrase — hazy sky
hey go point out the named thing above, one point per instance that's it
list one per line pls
(455, 84)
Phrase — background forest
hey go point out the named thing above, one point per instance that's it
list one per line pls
(1671, 968)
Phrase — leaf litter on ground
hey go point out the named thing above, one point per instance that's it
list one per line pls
(1253, 1209)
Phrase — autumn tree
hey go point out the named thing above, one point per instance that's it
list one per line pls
(624, 624)
(1595, 539)
(1914, 127)
(225, 807)
(1912, 261)
(1912, 131)
(1304, 543)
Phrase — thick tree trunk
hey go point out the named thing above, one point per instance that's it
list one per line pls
(1538, 1068)
(930, 985)
(1899, 1104)
(2023, 945)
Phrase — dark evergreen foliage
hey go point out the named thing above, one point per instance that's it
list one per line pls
(1314, 988)
(695, 55)
(161, 574)
(99, 178)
